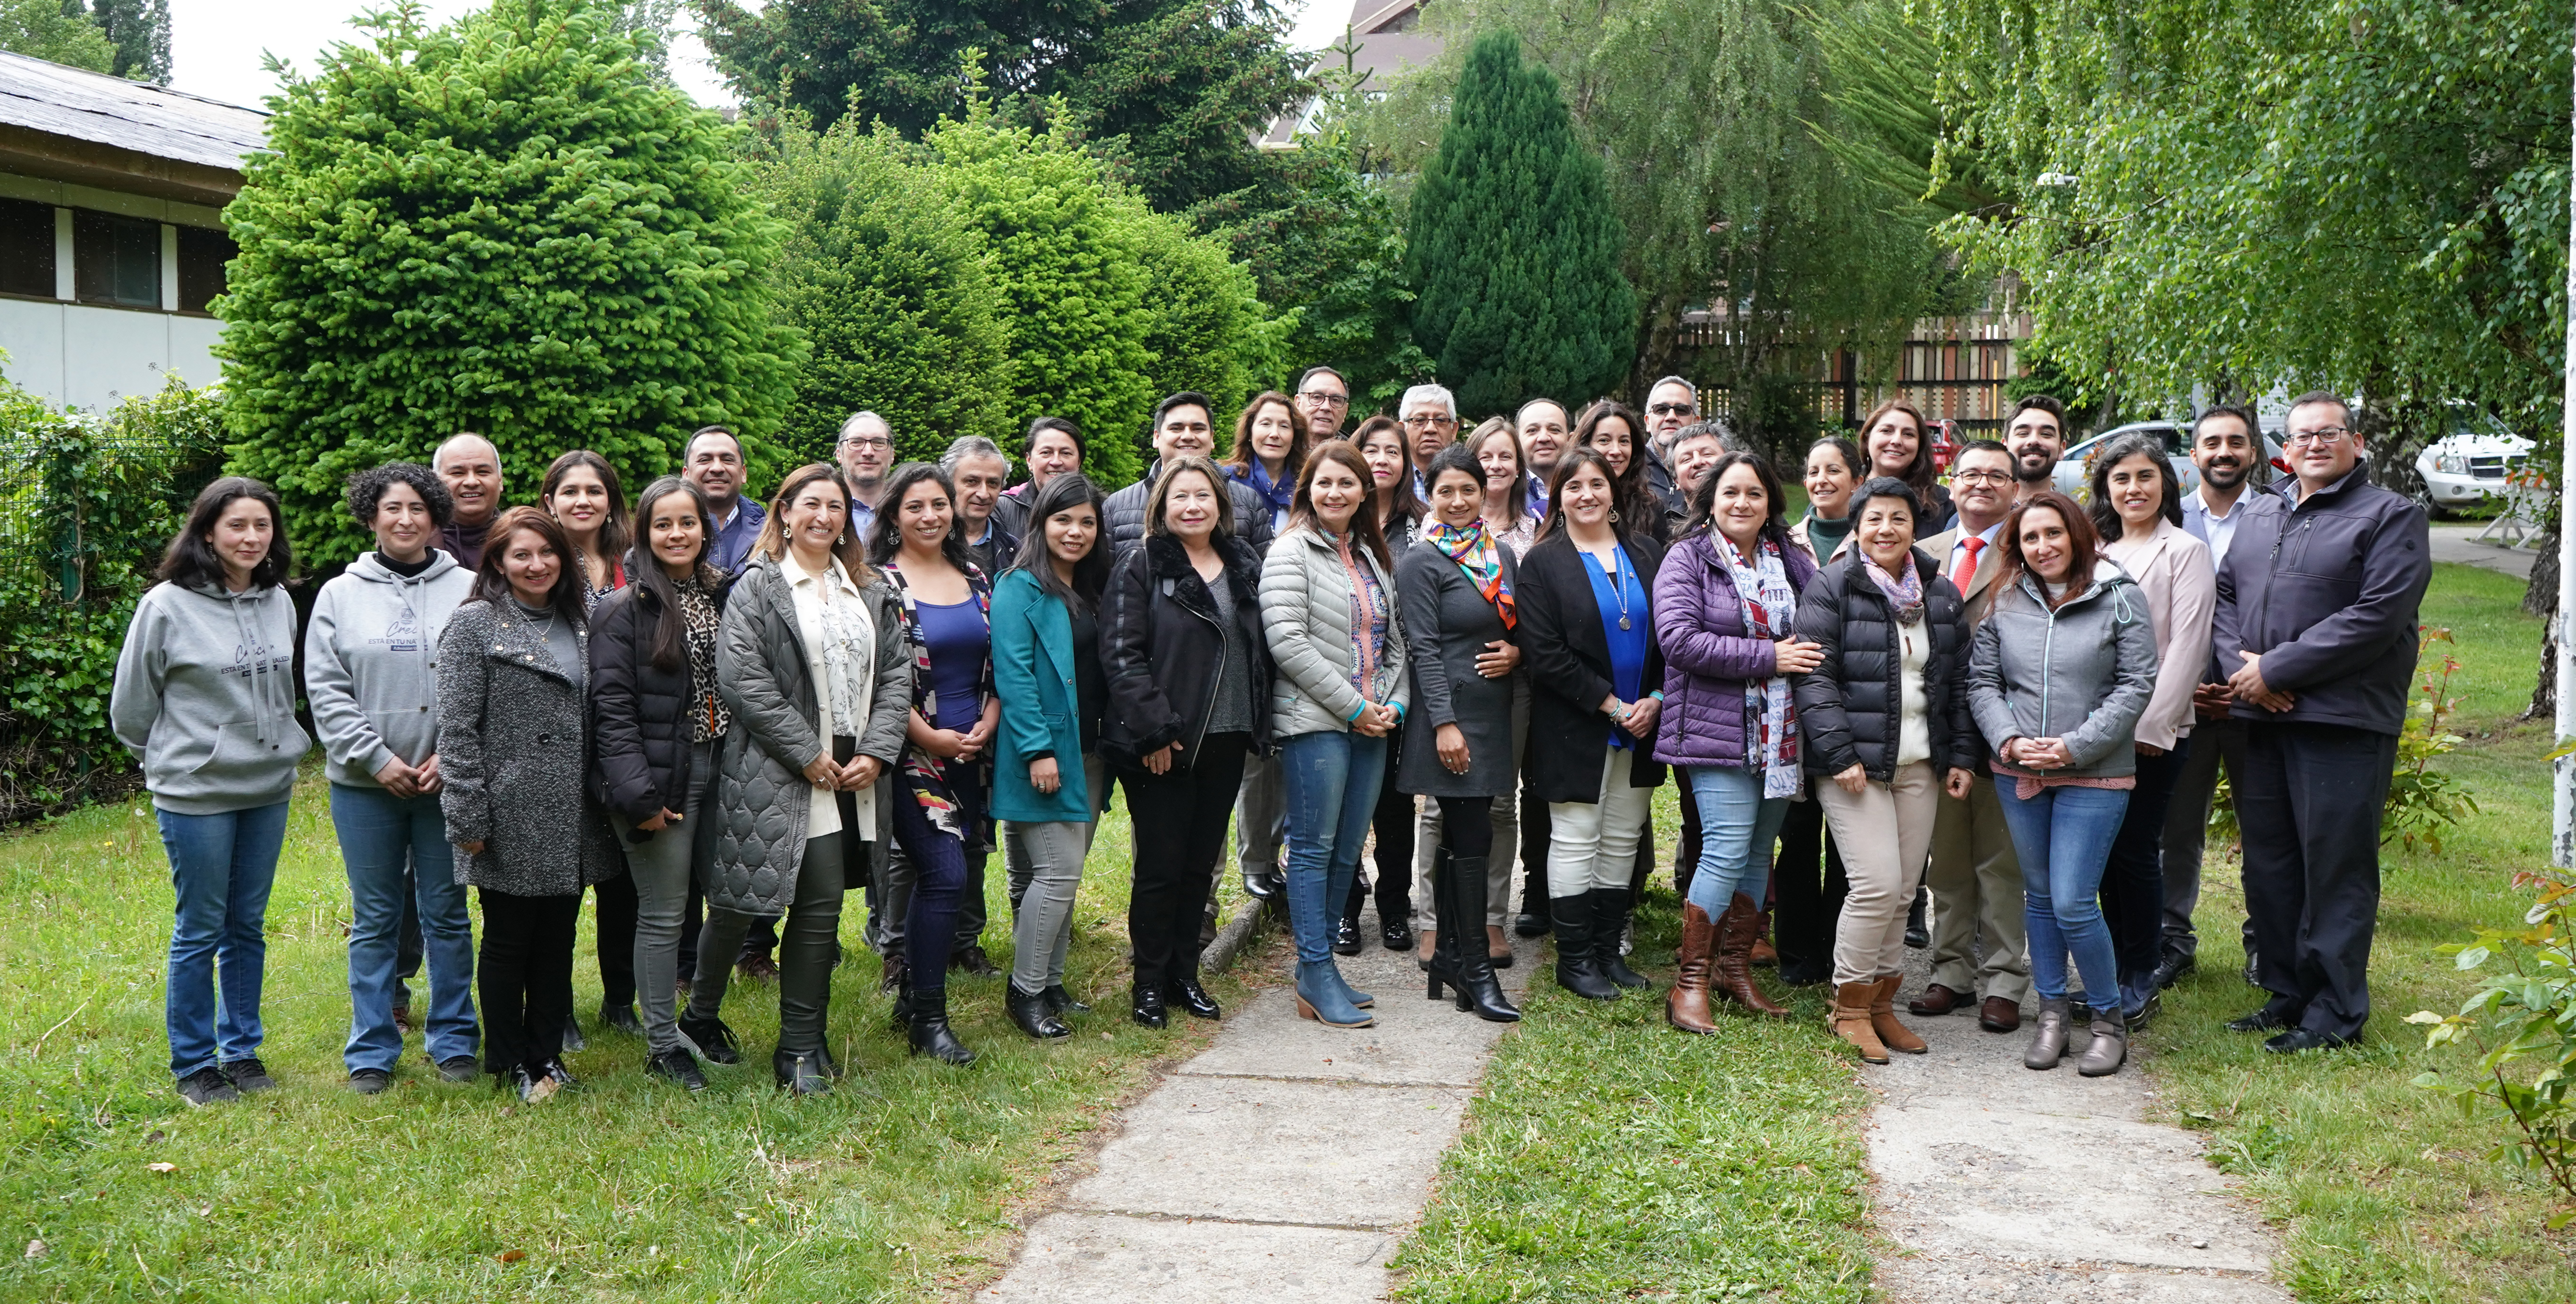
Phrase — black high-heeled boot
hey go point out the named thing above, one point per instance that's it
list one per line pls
(1577, 971)
(1443, 969)
(928, 1030)
(1479, 990)
(801, 1075)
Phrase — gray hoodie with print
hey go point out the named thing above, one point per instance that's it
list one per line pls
(371, 663)
(205, 698)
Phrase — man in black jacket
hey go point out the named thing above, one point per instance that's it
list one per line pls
(1183, 427)
(2315, 634)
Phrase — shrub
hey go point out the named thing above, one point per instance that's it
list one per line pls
(2523, 1015)
(2422, 801)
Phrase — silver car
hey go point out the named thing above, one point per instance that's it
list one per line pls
(2075, 469)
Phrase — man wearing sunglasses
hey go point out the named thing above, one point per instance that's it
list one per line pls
(2315, 635)
(1671, 404)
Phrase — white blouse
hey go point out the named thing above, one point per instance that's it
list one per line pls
(840, 656)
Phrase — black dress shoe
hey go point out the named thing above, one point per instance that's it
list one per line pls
(1192, 998)
(562, 1077)
(1061, 1002)
(1529, 924)
(801, 1075)
(1147, 1008)
(1397, 936)
(1346, 935)
(1263, 884)
(713, 1040)
(890, 975)
(622, 1018)
(1917, 938)
(1029, 1013)
(2299, 1039)
(2172, 967)
(972, 960)
(2271, 1018)
(677, 1067)
(572, 1038)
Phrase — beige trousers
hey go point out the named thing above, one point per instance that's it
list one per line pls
(1976, 888)
(1884, 832)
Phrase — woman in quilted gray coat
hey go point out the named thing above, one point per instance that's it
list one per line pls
(811, 662)
(513, 744)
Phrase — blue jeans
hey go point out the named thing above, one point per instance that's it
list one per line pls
(1737, 825)
(221, 867)
(2063, 838)
(377, 831)
(1331, 780)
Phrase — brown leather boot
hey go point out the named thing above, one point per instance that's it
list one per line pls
(1882, 1016)
(1735, 936)
(1852, 1022)
(1686, 1005)
(1763, 952)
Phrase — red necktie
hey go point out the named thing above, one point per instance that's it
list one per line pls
(1968, 572)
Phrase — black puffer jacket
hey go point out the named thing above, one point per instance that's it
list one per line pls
(1126, 512)
(1162, 649)
(1847, 707)
(639, 763)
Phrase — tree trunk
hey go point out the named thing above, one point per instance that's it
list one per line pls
(2541, 599)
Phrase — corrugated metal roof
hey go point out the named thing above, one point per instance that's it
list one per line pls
(137, 116)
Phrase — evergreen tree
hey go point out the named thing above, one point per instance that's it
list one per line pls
(1513, 251)
(140, 31)
(40, 29)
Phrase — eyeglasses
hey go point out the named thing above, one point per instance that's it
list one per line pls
(1429, 421)
(1322, 399)
(2320, 438)
(1674, 409)
(867, 441)
(1981, 477)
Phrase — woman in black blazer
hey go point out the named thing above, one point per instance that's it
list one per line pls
(1587, 634)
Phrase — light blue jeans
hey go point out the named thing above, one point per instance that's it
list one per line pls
(2063, 838)
(221, 867)
(378, 830)
(1332, 779)
(1737, 826)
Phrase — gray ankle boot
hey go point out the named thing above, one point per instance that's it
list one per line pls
(2110, 1045)
(2048, 1045)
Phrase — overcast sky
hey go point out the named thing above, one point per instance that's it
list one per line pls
(216, 44)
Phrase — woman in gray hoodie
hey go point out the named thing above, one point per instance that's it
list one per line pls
(371, 676)
(2064, 663)
(205, 699)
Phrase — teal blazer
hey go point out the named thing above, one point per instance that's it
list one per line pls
(1041, 712)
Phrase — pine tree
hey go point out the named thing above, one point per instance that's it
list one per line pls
(140, 31)
(1514, 251)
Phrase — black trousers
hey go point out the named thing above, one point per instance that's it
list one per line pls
(1180, 818)
(524, 974)
(1535, 831)
(616, 927)
(1807, 891)
(2133, 881)
(1393, 824)
(1686, 853)
(2309, 810)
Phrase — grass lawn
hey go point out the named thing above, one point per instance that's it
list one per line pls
(897, 1187)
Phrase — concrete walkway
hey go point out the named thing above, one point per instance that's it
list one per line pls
(2459, 543)
(2015, 1187)
(1285, 1162)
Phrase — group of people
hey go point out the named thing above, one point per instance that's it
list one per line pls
(720, 717)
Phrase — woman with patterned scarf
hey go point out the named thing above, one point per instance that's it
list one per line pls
(1885, 717)
(1270, 442)
(1461, 740)
(942, 786)
(1726, 611)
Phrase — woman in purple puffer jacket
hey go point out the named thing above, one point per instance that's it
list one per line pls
(1726, 609)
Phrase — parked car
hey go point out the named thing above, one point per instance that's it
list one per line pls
(2469, 465)
(2075, 469)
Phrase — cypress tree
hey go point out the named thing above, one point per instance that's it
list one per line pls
(1513, 248)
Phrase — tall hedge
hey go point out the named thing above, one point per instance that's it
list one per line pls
(502, 225)
(1513, 248)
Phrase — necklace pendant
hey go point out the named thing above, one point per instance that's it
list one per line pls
(1623, 622)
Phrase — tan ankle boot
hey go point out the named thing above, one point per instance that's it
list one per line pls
(1882, 1017)
(1735, 936)
(1686, 1005)
(1852, 1021)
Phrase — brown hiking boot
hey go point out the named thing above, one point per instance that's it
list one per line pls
(1686, 1005)
(1882, 1016)
(1852, 1021)
(1736, 933)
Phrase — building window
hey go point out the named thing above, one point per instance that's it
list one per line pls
(202, 255)
(116, 260)
(26, 248)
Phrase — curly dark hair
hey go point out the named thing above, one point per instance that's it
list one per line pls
(367, 491)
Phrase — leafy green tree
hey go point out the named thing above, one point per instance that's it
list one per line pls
(886, 277)
(501, 225)
(1174, 89)
(1514, 246)
(140, 32)
(41, 29)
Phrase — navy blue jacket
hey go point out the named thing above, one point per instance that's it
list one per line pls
(2327, 593)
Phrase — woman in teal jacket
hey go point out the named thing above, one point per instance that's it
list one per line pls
(1048, 779)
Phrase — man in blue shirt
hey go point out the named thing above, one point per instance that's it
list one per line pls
(713, 462)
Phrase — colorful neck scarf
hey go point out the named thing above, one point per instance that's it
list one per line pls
(1904, 593)
(1473, 548)
(1770, 612)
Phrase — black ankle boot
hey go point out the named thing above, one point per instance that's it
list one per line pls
(713, 1040)
(1060, 1002)
(1610, 912)
(1479, 990)
(928, 1028)
(1029, 1010)
(1577, 970)
(801, 1075)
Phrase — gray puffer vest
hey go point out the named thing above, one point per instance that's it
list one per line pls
(2082, 673)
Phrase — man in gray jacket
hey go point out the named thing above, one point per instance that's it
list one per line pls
(2315, 634)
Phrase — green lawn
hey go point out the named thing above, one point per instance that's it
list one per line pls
(896, 1187)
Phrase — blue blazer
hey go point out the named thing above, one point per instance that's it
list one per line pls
(1041, 710)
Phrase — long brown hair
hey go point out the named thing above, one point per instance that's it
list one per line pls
(1628, 493)
(2082, 545)
(1158, 499)
(1920, 472)
(614, 536)
(644, 570)
(1364, 522)
(492, 583)
(772, 542)
(190, 560)
(1577, 457)
(1401, 500)
(1516, 502)
(1242, 458)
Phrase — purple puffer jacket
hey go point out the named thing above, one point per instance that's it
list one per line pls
(1708, 654)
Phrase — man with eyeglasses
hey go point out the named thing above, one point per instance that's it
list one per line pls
(1974, 877)
(865, 451)
(1430, 416)
(1325, 399)
(2035, 434)
(2315, 634)
(1671, 404)
(2227, 446)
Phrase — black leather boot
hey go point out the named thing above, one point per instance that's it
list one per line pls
(1610, 911)
(1443, 968)
(1029, 1011)
(1478, 989)
(1577, 971)
(801, 1075)
(928, 1029)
